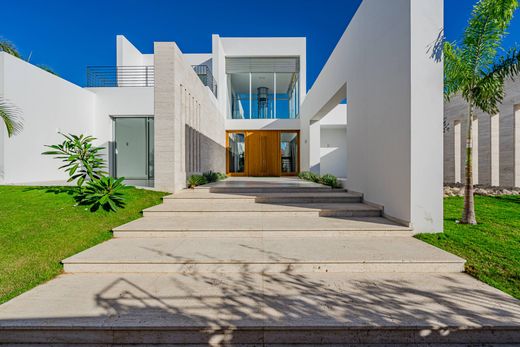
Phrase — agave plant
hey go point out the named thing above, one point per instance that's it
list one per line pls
(106, 192)
(10, 115)
(82, 159)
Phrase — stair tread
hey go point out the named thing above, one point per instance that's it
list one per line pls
(315, 301)
(204, 194)
(268, 250)
(241, 206)
(268, 222)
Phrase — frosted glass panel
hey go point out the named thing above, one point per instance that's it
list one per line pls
(131, 148)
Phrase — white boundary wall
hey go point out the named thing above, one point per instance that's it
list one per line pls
(385, 66)
(48, 104)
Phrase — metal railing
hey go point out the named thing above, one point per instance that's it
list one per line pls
(120, 76)
(205, 75)
(138, 76)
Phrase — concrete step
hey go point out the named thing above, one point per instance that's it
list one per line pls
(333, 196)
(269, 225)
(264, 255)
(251, 190)
(232, 207)
(383, 309)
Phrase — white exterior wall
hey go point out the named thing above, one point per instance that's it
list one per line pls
(393, 84)
(128, 55)
(333, 151)
(131, 101)
(262, 124)
(48, 104)
(333, 142)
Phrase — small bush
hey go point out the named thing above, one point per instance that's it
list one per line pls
(196, 180)
(329, 180)
(309, 176)
(105, 192)
(211, 176)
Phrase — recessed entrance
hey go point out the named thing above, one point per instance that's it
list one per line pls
(262, 152)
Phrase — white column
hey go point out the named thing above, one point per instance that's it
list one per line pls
(314, 146)
(474, 136)
(495, 150)
(516, 146)
(457, 151)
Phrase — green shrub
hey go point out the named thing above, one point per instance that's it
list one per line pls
(211, 176)
(84, 164)
(106, 192)
(82, 159)
(329, 180)
(196, 180)
(309, 176)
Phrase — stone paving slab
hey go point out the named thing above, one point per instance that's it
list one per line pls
(306, 254)
(201, 307)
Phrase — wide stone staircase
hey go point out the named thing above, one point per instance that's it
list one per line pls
(263, 262)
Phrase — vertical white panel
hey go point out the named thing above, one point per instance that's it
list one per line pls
(475, 150)
(516, 146)
(457, 151)
(495, 150)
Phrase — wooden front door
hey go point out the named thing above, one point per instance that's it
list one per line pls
(263, 153)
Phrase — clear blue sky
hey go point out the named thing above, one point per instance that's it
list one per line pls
(69, 35)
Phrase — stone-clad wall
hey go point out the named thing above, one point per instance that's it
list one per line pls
(497, 169)
(189, 128)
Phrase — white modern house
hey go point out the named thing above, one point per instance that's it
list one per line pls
(244, 109)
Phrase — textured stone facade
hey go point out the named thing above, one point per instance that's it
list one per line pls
(189, 128)
(497, 146)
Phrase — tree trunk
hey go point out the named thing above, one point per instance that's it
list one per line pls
(468, 215)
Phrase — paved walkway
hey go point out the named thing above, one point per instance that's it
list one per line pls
(262, 262)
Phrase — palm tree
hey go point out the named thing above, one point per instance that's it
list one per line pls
(10, 115)
(473, 70)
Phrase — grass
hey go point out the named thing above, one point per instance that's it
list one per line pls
(40, 226)
(491, 248)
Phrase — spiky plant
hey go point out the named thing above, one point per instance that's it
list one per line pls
(473, 69)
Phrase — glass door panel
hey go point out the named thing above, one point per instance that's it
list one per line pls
(236, 153)
(134, 147)
(289, 152)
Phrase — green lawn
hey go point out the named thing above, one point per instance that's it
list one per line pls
(491, 248)
(40, 226)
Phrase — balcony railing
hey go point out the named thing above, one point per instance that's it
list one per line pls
(138, 76)
(205, 75)
(120, 76)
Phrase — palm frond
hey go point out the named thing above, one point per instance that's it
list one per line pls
(11, 117)
(485, 31)
(489, 92)
(455, 70)
(8, 47)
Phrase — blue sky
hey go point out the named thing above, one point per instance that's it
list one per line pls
(69, 35)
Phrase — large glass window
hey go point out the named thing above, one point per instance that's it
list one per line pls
(237, 152)
(263, 88)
